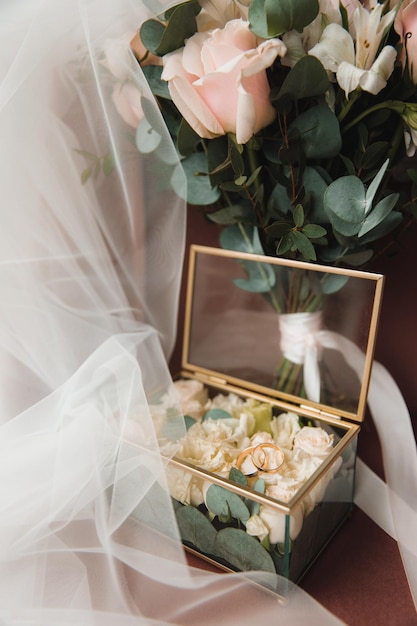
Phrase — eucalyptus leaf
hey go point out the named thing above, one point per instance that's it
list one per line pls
(261, 277)
(373, 187)
(303, 245)
(189, 421)
(196, 529)
(384, 228)
(158, 86)
(331, 283)
(278, 229)
(298, 215)
(357, 258)
(314, 231)
(238, 477)
(216, 414)
(279, 201)
(315, 187)
(345, 198)
(307, 79)
(160, 39)
(319, 132)
(199, 189)
(226, 504)
(242, 551)
(241, 238)
(269, 18)
(284, 245)
(378, 214)
(374, 154)
(147, 139)
(232, 215)
(187, 139)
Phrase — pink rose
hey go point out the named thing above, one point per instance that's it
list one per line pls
(218, 81)
(405, 24)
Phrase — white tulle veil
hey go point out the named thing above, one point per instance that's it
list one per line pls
(92, 243)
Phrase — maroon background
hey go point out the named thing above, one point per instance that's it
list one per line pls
(359, 577)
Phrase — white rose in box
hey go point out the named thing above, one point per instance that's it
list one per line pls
(193, 397)
(284, 428)
(314, 441)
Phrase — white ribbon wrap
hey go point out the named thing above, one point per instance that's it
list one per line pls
(393, 505)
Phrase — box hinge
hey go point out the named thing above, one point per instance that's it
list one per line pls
(319, 412)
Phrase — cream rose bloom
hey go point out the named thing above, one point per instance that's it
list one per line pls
(284, 428)
(185, 487)
(272, 523)
(223, 66)
(314, 440)
(209, 445)
(192, 396)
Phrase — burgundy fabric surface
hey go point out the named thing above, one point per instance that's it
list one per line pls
(359, 576)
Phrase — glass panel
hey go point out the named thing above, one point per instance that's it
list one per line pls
(294, 331)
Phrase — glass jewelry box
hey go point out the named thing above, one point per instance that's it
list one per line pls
(276, 366)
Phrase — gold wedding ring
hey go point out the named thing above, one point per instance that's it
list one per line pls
(265, 457)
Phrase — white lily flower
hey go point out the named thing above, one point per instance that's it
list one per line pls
(369, 28)
(354, 63)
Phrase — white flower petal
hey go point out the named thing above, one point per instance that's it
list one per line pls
(335, 47)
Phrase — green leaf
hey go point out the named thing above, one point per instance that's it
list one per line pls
(196, 529)
(344, 202)
(242, 551)
(314, 231)
(232, 215)
(356, 259)
(160, 39)
(147, 139)
(374, 154)
(278, 229)
(108, 164)
(236, 160)
(238, 477)
(378, 214)
(226, 504)
(151, 33)
(315, 187)
(85, 174)
(261, 277)
(217, 414)
(158, 86)
(199, 190)
(298, 215)
(285, 244)
(307, 79)
(254, 176)
(319, 132)
(331, 283)
(373, 187)
(187, 139)
(189, 421)
(279, 201)
(241, 238)
(270, 18)
(303, 245)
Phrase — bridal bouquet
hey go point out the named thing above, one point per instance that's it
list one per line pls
(296, 121)
(296, 126)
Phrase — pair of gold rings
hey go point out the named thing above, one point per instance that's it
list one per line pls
(265, 457)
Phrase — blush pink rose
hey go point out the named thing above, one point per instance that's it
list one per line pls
(218, 81)
(405, 24)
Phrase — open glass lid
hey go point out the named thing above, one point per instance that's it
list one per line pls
(300, 332)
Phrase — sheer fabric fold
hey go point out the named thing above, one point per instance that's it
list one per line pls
(92, 244)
